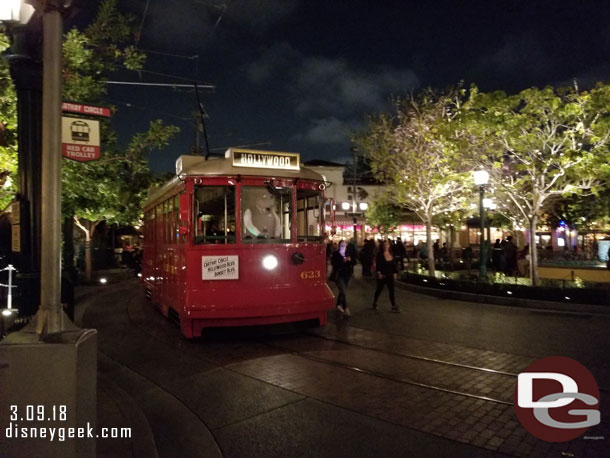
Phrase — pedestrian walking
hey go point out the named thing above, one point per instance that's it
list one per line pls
(367, 255)
(510, 256)
(523, 261)
(497, 256)
(400, 253)
(386, 274)
(436, 251)
(343, 269)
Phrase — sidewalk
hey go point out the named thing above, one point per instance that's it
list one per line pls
(263, 395)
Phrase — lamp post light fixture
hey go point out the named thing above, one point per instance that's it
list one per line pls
(481, 178)
(15, 12)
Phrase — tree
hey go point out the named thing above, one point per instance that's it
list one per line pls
(114, 187)
(8, 129)
(383, 215)
(538, 145)
(412, 153)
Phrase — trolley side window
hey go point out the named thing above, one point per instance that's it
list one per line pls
(309, 216)
(266, 214)
(215, 211)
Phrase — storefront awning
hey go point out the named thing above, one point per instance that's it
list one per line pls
(348, 220)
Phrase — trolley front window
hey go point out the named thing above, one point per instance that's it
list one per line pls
(215, 214)
(310, 217)
(266, 214)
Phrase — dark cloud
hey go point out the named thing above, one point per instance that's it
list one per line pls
(276, 61)
(328, 131)
(332, 94)
(160, 31)
(522, 59)
(258, 15)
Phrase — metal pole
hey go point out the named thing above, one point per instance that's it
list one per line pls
(354, 203)
(9, 300)
(483, 243)
(50, 317)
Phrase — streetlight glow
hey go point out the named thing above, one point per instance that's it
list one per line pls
(345, 206)
(15, 11)
(481, 177)
(488, 203)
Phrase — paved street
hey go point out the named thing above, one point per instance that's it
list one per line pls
(436, 380)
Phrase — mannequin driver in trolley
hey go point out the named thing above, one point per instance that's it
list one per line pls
(262, 221)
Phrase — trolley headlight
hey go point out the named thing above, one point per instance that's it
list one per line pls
(270, 262)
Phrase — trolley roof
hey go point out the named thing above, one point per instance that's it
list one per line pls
(238, 161)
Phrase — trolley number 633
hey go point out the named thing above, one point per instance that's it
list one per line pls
(309, 274)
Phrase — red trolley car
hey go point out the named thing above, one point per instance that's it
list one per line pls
(237, 241)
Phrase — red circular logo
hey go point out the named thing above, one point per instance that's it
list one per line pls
(557, 399)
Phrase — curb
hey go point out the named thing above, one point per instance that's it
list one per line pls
(505, 301)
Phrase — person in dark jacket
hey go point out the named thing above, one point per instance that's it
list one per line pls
(386, 273)
(497, 256)
(510, 256)
(343, 268)
(367, 255)
(400, 253)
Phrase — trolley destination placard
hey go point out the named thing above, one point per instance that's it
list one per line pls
(220, 267)
(265, 159)
(85, 109)
(80, 139)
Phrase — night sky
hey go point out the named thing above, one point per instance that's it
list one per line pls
(302, 75)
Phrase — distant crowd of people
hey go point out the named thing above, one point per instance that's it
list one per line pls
(386, 259)
(507, 258)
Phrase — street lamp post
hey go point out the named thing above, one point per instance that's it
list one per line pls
(481, 177)
(55, 363)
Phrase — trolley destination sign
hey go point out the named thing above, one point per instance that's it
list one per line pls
(220, 267)
(80, 139)
(91, 110)
(265, 159)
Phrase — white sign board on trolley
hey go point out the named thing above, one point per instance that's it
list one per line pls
(220, 267)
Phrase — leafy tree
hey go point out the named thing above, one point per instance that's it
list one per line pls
(538, 145)
(8, 129)
(114, 187)
(383, 215)
(412, 153)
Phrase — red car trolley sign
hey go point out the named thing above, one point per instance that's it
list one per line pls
(80, 139)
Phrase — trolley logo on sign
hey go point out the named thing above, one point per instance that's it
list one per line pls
(80, 131)
(80, 139)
